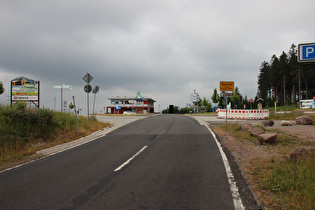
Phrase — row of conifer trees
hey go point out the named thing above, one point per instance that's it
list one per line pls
(285, 80)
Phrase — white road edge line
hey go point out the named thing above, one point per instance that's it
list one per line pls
(130, 159)
(238, 205)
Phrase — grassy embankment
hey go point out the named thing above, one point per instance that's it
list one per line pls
(25, 131)
(287, 112)
(280, 183)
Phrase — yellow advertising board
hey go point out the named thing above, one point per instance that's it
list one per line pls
(226, 86)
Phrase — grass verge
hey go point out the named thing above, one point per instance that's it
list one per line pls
(25, 131)
(288, 184)
(290, 116)
(278, 181)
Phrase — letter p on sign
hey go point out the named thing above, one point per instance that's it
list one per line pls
(309, 51)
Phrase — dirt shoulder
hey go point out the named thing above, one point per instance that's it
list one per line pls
(247, 153)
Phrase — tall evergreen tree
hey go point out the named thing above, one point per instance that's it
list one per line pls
(264, 86)
(275, 76)
(245, 102)
(293, 72)
(284, 78)
(284, 69)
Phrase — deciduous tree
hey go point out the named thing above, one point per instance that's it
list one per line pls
(1, 88)
(215, 96)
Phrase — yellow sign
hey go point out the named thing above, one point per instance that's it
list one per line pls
(226, 86)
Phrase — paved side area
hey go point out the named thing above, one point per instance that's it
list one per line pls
(214, 120)
(116, 121)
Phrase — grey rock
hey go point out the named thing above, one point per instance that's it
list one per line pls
(267, 138)
(285, 123)
(254, 131)
(268, 123)
(304, 120)
(247, 127)
(300, 153)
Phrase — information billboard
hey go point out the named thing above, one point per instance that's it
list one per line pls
(24, 89)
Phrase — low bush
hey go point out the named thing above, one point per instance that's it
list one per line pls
(22, 129)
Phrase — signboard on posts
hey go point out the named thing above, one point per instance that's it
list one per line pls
(25, 89)
(223, 94)
(306, 52)
(226, 86)
(88, 88)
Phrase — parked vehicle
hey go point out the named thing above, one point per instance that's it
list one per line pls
(129, 112)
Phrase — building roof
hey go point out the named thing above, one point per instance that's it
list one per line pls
(24, 80)
(138, 97)
(129, 98)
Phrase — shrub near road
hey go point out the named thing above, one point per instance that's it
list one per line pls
(19, 125)
(24, 131)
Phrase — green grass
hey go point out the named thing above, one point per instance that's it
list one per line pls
(24, 131)
(292, 183)
(294, 113)
(284, 108)
(240, 133)
(290, 116)
(284, 139)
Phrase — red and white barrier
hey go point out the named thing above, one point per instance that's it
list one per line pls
(246, 114)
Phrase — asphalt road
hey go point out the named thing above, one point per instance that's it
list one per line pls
(162, 162)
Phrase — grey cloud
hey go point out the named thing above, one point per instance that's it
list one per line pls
(162, 48)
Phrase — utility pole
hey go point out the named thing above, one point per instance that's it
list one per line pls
(95, 90)
(299, 82)
(75, 111)
(61, 100)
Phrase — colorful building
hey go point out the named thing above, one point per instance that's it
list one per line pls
(138, 104)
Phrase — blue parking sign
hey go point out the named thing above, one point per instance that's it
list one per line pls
(306, 52)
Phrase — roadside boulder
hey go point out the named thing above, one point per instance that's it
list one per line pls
(268, 123)
(267, 138)
(247, 127)
(254, 131)
(304, 120)
(285, 123)
(299, 153)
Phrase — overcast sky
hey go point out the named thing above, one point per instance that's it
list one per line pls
(165, 49)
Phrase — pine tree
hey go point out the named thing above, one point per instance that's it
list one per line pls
(293, 72)
(264, 85)
(284, 68)
(284, 78)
